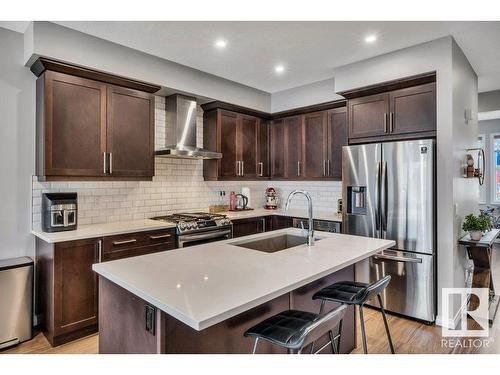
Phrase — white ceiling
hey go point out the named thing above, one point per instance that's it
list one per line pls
(308, 50)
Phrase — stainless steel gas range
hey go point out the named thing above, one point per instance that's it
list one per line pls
(199, 227)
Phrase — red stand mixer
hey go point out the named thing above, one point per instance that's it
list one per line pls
(272, 200)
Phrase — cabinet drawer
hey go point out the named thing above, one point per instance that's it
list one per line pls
(136, 251)
(138, 239)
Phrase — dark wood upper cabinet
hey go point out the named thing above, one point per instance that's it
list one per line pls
(263, 152)
(91, 130)
(337, 138)
(229, 166)
(277, 148)
(368, 116)
(315, 144)
(71, 126)
(248, 133)
(302, 144)
(130, 132)
(413, 109)
(294, 139)
(401, 112)
(237, 136)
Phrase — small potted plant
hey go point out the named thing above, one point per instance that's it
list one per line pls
(476, 225)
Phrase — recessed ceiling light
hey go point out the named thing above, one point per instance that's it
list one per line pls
(279, 68)
(370, 38)
(220, 43)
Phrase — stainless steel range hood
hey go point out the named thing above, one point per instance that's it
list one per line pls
(181, 128)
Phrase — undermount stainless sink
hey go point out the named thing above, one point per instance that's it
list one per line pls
(274, 243)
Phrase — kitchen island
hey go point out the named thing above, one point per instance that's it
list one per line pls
(201, 299)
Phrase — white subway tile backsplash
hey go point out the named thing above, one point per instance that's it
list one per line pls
(178, 185)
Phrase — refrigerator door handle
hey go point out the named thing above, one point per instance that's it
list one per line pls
(377, 199)
(383, 197)
(398, 259)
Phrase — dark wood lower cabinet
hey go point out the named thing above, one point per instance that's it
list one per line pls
(67, 288)
(122, 325)
(254, 225)
(67, 292)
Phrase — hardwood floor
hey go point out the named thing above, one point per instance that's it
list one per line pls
(409, 337)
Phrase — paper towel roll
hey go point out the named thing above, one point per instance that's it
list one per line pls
(246, 192)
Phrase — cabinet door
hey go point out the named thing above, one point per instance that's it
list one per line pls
(74, 124)
(75, 285)
(337, 138)
(247, 145)
(368, 116)
(246, 227)
(315, 156)
(413, 109)
(281, 222)
(277, 132)
(263, 149)
(228, 125)
(293, 146)
(130, 132)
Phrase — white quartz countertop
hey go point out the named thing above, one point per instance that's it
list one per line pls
(100, 230)
(206, 284)
(318, 215)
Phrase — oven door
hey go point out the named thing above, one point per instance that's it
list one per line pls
(192, 239)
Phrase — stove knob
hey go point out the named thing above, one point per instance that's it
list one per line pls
(182, 226)
(192, 226)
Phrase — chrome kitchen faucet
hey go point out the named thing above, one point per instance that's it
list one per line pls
(310, 230)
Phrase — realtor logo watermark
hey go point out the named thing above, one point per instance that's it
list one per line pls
(479, 315)
(465, 335)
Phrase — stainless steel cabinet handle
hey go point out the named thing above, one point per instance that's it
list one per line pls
(105, 166)
(385, 122)
(242, 168)
(159, 237)
(391, 122)
(261, 169)
(298, 168)
(99, 251)
(124, 242)
(110, 163)
(328, 168)
(263, 224)
(237, 167)
(398, 259)
(324, 168)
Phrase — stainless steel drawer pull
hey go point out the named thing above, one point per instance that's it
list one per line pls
(99, 250)
(124, 242)
(104, 167)
(159, 237)
(398, 259)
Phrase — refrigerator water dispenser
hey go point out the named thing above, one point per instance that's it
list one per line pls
(356, 203)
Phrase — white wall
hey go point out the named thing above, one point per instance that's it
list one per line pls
(17, 147)
(58, 42)
(456, 85)
(313, 93)
(465, 191)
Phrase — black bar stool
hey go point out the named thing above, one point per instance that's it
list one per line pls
(355, 293)
(294, 329)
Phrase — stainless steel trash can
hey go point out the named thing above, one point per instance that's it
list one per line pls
(16, 301)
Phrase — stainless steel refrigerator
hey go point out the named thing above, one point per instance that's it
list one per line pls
(389, 192)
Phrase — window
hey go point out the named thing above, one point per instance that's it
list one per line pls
(495, 168)
(482, 189)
